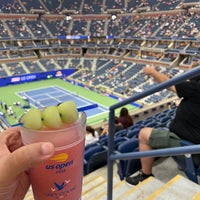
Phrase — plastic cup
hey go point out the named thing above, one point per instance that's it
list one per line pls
(61, 176)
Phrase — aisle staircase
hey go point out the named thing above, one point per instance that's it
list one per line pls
(169, 183)
(179, 187)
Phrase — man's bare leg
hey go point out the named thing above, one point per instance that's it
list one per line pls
(146, 162)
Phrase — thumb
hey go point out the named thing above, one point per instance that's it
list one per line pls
(26, 157)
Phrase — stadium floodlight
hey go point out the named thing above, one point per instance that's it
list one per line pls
(113, 17)
(68, 17)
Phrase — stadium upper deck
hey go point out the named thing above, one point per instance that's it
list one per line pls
(92, 6)
(165, 33)
(143, 28)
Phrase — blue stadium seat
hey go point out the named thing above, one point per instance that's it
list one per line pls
(94, 144)
(133, 133)
(187, 164)
(94, 158)
(118, 141)
(103, 140)
(121, 133)
(128, 167)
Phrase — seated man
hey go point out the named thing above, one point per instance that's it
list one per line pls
(185, 125)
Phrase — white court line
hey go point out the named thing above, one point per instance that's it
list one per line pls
(83, 99)
(57, 89)
(33, 104)
(36, 95)
(65, 92)
(75, 97)
(53, 97)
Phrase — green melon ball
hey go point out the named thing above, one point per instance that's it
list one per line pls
(51, 117)
(32, 119)
(68, 112)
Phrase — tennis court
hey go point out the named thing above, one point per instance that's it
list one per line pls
(53, 95)
(53, 91)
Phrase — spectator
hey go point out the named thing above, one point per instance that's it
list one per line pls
(118, 125)
(185, 125)
(91, 135)
(124, 118)
(104, 130)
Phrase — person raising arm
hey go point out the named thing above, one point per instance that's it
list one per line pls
(184, 126)
(158, 76)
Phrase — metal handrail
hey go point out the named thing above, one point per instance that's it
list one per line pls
(153, 153)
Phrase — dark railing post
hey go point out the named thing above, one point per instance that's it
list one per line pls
(111, 155)
(110, 151)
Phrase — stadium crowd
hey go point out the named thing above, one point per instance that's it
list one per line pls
(121, 37)
(142, 32)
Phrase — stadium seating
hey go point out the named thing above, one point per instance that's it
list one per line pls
(187, 164)
(88, 146)
(36, 37)
(128, 167)
(103, 140)
(121, 133)
(133, 133)
(94, 158)
(118, 141)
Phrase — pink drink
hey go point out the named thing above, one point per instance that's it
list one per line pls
(61, 176)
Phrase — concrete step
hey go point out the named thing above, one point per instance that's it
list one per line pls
(122, 191)
(142, 190)
(172, 187)
(177, 188)
(150, 189)
(95, 183)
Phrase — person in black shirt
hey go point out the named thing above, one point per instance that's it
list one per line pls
(185, 125)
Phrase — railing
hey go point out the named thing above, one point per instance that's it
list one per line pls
(153, 153)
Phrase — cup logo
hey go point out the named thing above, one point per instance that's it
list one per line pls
(61, 162)
(62, 157)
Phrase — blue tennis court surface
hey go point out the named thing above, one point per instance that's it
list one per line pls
(52, 95)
